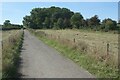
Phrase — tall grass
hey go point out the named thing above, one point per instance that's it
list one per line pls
(101, 65)
(92, 43)
(10, 54)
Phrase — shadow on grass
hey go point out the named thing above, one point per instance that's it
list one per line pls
(19, 75)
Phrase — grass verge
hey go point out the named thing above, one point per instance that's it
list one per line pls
(10, 54)
(97, 68)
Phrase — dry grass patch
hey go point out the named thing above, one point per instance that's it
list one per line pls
(88, 41)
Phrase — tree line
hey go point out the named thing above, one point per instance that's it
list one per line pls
(63, 18)
(8, 26)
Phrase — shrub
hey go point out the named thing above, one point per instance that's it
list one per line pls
(82, 46)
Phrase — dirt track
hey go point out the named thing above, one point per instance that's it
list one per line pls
(41, 61)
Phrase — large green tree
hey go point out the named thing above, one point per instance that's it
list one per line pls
(61, 18)
(60, 23)
(109, 24)
(66, 24)
(26, 21)
(94, 21)
(37, 18)
(76, 20)
(47, 23)
(7, 23)
(8, 26)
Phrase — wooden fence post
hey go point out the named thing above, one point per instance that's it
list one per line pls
(51, 35)
(2, 45)
(74, 40)
(108, 48)
(45, 34)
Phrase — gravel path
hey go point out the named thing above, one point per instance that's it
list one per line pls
(41, 61)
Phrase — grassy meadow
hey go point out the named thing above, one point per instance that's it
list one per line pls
(95, 51)
(11, 45)
(4, 35)
(7, 33)
(97, 40)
